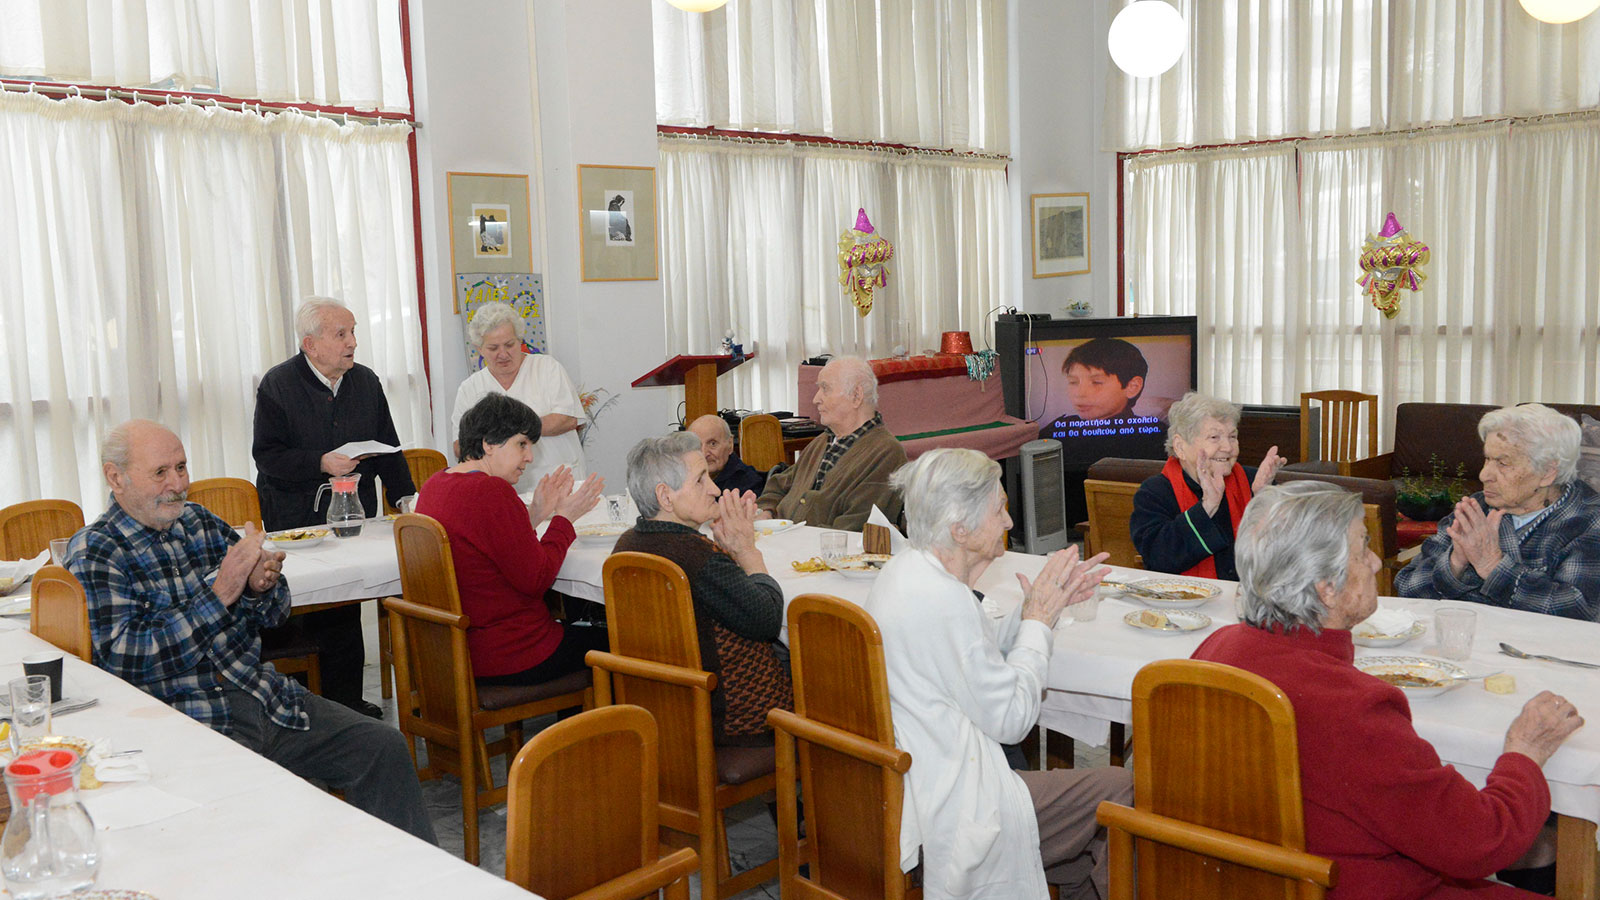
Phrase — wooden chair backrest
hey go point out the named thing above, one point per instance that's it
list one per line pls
(582, 802)
(437, 665)
(61, 612)
(233, 500)
(650, 616)
(1110, 506)
(1218, 748)
(852, 807)
(26, 529)
(760, 441)
(424, 464)
(1341, 419)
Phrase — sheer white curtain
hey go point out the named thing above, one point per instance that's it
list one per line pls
(751, 244)
(932, 73)
(330, 52)
(1263, 69)
(157, 255)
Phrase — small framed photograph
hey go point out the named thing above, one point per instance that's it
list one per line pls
(490, 224)
(617, 223)
(1060, 234)
(491, 232)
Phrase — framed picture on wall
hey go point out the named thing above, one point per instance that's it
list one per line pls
(617, 223)
(1060, 234)
(491, 232)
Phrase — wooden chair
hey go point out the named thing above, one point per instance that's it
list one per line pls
(26, 529)
(850, 774)
(287, 647)
(655, 663)
(233, 500)
(439, 700)
(61, 612)
(1217, 800)
(424, 464)
(1110, 507)
(1340, 425)
(581, 818)
(761, 442)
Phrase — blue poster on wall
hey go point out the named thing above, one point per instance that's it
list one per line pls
(523, 293)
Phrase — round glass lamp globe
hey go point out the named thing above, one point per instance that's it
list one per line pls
(1559, 12)
(1147, 38)
(699, 6)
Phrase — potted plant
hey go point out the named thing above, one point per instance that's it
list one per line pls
(1431, 497)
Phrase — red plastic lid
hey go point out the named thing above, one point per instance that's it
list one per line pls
(47, 771)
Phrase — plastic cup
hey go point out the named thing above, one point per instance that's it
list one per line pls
(30, 708)
(58, 551)
(47, 664)
(1455, 627)
(1088, 610)
(834, 546)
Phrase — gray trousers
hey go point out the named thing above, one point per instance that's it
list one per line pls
(1071, 842)
(345, 750)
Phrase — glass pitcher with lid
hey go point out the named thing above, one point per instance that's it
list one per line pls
(48, 848)
(345, 513)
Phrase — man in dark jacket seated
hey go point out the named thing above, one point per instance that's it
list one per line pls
(727, 470)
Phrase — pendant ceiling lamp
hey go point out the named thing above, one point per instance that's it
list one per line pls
(1559, 12)
(700, 6)
(1147, 38)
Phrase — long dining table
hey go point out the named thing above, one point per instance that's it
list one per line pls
(237, 825)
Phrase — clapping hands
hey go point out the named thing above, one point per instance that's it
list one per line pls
(1270, 464)
(554, 496)
(1063, 581)
(734, 529)
(1474, 538)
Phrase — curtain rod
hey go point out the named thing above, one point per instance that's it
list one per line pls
(781, 139)
(177, 98)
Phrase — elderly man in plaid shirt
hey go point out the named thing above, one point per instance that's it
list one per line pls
(177, 601)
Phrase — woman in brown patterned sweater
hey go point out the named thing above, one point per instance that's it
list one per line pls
(738, 606)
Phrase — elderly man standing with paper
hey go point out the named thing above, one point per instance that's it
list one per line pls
(307, 408)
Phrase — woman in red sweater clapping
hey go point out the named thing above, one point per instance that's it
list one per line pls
(503, 567)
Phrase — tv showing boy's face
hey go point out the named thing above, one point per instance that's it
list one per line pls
(1098, 394)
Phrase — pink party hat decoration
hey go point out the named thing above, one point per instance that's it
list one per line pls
(864, 226)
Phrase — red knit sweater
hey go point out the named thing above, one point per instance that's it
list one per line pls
(502, 568)
(1378, 801)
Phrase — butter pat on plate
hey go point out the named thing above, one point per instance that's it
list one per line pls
(1500, 684)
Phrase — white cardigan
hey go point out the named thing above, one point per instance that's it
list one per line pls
(544, 385)
(959, 686)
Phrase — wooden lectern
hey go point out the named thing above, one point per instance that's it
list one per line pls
(698, 375)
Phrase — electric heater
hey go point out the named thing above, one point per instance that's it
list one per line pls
(1044, 500)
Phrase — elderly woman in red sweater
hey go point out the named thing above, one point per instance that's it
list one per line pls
(1305, 577)
(503, 567)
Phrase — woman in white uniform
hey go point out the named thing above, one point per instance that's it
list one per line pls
(536, 379)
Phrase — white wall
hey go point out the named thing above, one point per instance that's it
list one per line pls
(591, 62)
(1058, 63)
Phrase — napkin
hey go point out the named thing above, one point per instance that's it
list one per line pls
(132, 806)
(897, 541)
(1387, 621)
(21, 570)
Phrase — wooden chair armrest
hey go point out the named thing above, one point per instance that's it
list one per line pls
(1378, 467)
(646, 879)
(841, 741)
(644, 668)
(425, 613)
(1296, 864)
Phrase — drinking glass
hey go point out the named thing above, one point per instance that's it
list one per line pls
(616, 508)
(58, 551)
(1088, 609)
(1455, 627)
(30, 708)
(834, 545)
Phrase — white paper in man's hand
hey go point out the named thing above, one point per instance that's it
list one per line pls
(358, 449)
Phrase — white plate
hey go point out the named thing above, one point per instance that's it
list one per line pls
(773, 526)
(1179, 621)
(861, 566)
(1174, 584)
(278, 543)
(1386, 640)
(605, 533)
(1444, 675)
(18, 606)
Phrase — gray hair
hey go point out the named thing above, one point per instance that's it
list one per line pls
(308, 318)
(658, 460)
(1548, 437)
(1188, 414)
(1292, 537)
(943, 488)
(857, 372)
(720, 423)
(117, 448)
(491, 316)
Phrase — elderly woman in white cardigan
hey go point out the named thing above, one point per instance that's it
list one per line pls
(960, 686)
(534, 378)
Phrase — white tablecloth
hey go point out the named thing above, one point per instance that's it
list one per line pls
(342, 569)
(259, 831)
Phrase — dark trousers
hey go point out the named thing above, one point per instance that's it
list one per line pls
(337, 634)
(576, 640)
(345, 750)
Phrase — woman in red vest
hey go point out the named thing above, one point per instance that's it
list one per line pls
(1185, 518)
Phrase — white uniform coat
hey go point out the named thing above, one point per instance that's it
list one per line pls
(959, 686)
(543, 384)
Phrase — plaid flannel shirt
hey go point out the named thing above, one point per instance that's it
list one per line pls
(839, 446)
(1551, 565)
(157, 624)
